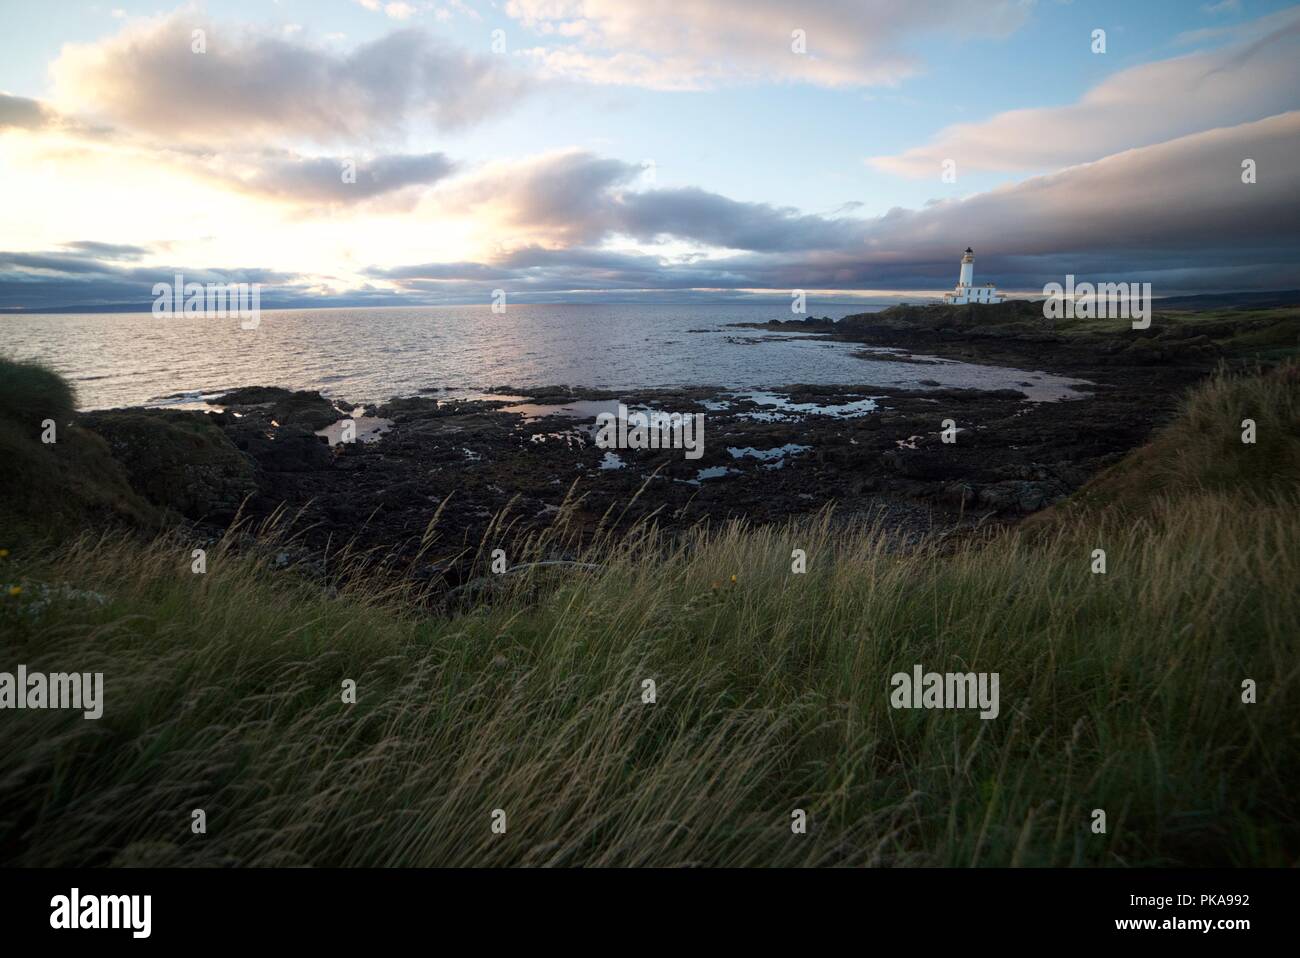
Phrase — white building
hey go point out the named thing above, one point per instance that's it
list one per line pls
(967, 291)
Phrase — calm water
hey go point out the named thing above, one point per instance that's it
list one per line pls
(369, 355)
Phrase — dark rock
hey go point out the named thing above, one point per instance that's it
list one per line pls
(287, 449)
(307, 408)
(252, 396)
(1018, 496)
(922, 464)
(176, 459)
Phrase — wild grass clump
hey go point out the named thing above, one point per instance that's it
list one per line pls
(1237, 433)
(31, 392)
(55, 477)
(1120, 691)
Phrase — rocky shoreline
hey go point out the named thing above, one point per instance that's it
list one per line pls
(767, 456)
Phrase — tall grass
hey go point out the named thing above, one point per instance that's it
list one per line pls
(1203, 448)
(1120, 692)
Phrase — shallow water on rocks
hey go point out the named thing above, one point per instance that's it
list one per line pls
(365, 429)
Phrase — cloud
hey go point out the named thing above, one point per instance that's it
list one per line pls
(713, 220)
(283, 176)
(1136, 107)
(108, 251)
(538, 269)
(22, 113)
(578, 198)
(395, 11)
(250, 83)
(558, 198)
(326, 181)
(700, 45)
(1184, 194)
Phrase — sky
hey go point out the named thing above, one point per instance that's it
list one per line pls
(352, 152)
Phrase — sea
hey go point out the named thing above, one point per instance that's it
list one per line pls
(369, 355)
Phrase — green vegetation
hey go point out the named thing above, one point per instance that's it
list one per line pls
(1120, 691)
(1264, 335)
(178, 460)
(51, 490)
(1202, 450)
(31, 392)
(1186, 337)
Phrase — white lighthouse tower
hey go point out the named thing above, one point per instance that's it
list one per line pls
(966, 290)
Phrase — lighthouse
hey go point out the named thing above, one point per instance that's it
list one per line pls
(966, 290)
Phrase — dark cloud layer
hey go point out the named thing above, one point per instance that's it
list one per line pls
(1178, 212)
(578, 198)
(92, 278)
